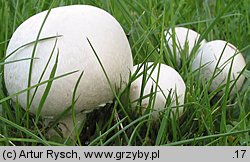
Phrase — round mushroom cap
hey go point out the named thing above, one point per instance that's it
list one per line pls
(182, 39)
(69, 27)
(225, 55)
(170, 87)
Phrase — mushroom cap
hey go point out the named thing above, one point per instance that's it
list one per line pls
(182, 37)
(169, 81)
(75, 24)
(209, 56)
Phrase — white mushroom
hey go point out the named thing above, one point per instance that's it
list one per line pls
(170, 84)
(74, 24)
(224, 54)
(182, 39)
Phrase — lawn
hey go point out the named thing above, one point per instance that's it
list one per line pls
(208, 119)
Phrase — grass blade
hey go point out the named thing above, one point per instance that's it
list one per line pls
(47, 89)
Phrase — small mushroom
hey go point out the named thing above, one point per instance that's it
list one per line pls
(170, 86)
(218, 56)
(180, 39)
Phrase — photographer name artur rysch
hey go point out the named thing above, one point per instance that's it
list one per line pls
(48, 154)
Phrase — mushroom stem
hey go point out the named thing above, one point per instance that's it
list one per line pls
(67, 126)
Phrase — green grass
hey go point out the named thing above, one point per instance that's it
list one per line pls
(207, 120)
